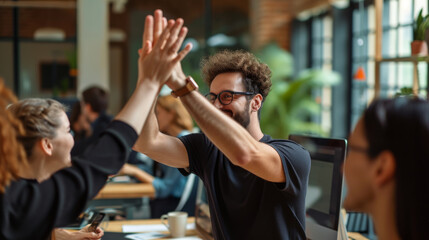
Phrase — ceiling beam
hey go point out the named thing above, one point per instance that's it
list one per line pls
(39, 4)
(303, 5)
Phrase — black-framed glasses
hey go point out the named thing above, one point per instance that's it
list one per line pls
(225, 97)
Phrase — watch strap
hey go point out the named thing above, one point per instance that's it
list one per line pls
(190, 86)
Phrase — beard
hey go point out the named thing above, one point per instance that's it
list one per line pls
(243, 117)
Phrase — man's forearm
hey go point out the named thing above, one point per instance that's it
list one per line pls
(230, 137)
(238, 145)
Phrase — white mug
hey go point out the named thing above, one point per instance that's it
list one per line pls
(176, 223)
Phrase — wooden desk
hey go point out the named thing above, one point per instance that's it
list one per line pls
(126, 190)
(116, 226)
(356, 236)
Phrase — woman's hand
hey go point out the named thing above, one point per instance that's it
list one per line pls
(83, 234)
(159, 57)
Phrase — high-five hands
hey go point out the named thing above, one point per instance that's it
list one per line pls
(161, 42)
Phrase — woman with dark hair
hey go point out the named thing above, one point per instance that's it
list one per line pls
(80, 126)
(387, 166)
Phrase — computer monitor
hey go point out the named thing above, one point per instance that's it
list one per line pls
(324, 191)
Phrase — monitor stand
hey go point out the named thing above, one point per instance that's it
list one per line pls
(342, 232)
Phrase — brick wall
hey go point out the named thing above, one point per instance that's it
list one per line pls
(270, 21)
(6, 22)
(30, 19)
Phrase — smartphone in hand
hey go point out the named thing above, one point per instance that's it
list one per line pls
(96, 220)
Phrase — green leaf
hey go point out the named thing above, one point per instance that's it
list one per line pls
(420, 25)
(290, 104)
(278, 59)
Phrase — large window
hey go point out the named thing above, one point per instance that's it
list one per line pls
(396, 69)
(313, 48)
(363, 38)
(321, 45)
(398, 18)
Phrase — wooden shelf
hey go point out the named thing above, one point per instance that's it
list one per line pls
(411, 59)
(406, 59)
(379, 58)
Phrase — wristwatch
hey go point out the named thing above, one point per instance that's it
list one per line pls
(190, 86)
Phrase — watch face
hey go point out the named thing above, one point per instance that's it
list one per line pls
(191, 83)
(190, 86)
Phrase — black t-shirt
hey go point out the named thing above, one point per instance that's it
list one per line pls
(244, 206)
(98, 126)
(30, 210)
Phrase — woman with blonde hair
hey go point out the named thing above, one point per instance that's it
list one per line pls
(30, 208)
(169, 183)
(47, 143)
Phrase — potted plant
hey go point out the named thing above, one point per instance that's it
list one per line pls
(72, 59)
(405, 92)
(419, 45)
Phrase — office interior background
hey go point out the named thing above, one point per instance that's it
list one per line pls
(317, 49)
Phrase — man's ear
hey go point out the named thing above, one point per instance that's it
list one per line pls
(256, 102)
(384, 168)
(46, 146)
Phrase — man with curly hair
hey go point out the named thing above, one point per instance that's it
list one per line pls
(256, 185)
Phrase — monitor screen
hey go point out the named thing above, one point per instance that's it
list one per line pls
(323, 199)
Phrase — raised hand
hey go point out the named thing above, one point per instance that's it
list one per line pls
(154, 25)
(157, 60)
(152, 29)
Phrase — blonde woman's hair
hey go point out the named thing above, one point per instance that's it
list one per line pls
(12, 155)
(40, 119)
(171, 104)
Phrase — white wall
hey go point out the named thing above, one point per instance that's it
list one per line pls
(93, 43)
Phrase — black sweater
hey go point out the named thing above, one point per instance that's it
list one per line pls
(30, 210)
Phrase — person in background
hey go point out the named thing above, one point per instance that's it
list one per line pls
(173, 120)
(13, 151)
(256, 185)
(79, 124)
(387, 165)
(48, 198)
(94, 109)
